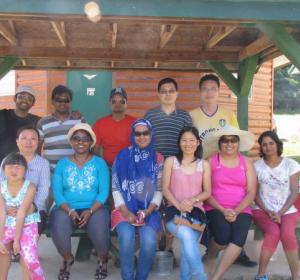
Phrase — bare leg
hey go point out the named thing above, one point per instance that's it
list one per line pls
(25, 272)
(264, 259)
(212, 254)
(293, 261)
(230, 254)
(5, 263)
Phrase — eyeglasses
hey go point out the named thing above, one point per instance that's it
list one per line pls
(118, 101)
(60, 100)
(171, 91)
(84, 139)
(140, 133)
(209, 90)
(229, 140)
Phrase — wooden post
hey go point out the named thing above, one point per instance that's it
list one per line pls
(283, 40)
(240, 86)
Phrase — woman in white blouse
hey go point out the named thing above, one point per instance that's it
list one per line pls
(275, 213)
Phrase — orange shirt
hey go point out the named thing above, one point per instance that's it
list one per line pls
(113, 136)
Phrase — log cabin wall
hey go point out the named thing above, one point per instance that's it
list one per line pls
(42, 82)
(141, 87)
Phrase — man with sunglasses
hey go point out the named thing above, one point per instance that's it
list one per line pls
(209, 117)
(54, 128)
(12, 119)
(113, 131)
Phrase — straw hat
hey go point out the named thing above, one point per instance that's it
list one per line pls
(85, 127)
(210, 142)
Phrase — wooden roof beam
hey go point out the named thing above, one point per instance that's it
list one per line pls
(255, 47)
(8, 34)
(166, 32)
(114, 32)
(219, 36)
(59, 29)
(117, 54)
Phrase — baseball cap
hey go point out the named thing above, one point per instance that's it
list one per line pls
(118, 90)
(24, 88)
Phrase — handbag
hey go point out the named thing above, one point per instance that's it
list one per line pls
(195, 219)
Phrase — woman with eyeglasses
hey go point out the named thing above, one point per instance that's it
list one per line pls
(136, 189)
(274, 212)
(228, 209)
(80, 189)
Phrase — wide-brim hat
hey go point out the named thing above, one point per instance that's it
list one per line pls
(85, 127)
(211, 142)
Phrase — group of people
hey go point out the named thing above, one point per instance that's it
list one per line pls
(191, 160)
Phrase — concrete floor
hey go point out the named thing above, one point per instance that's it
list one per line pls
(51, 262)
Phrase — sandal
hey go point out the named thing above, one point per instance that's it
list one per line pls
(101, 271)
(64, 272)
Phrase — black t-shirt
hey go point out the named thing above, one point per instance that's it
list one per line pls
(9, 125)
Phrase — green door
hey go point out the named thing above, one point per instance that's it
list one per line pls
(91, 93)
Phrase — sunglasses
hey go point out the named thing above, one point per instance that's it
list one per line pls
(118, 101)
(229, 140)
(59, 100)
(25, 97)
(84, 139)
(140, 133)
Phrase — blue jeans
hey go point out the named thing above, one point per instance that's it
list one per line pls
(191, 266)
(126, 237)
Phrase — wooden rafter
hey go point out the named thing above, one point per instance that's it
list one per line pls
(8, 34)
(59, 28)
(219, 35)
(255, 47)
(117, 55)
(166, 32)
(114, 32)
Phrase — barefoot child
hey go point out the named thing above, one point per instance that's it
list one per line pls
(19, 234)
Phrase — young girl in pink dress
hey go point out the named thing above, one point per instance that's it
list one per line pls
(18, 233)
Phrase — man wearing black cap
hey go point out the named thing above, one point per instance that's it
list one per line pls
(12, 119)
(113, 131)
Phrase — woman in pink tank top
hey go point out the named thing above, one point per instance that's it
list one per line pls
(186, 184)
(233, 190)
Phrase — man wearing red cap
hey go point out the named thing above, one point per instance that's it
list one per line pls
(12, 119)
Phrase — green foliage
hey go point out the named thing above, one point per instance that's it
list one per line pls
(287, 90)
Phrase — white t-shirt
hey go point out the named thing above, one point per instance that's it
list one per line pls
(274, 183)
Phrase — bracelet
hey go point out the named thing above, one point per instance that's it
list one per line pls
(70, 212)
(91, 211)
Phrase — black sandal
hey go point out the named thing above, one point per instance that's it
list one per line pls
(64, 272)
(101, 271)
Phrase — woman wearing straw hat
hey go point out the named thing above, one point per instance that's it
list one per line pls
(233, 190)
(80, 188)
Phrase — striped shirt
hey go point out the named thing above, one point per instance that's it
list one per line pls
(54, 134)
(166, 129)
(38, 173)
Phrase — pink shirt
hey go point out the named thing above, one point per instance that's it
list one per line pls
(229, 185)
(184, 185)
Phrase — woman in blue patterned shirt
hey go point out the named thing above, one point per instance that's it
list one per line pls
(80, 189)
